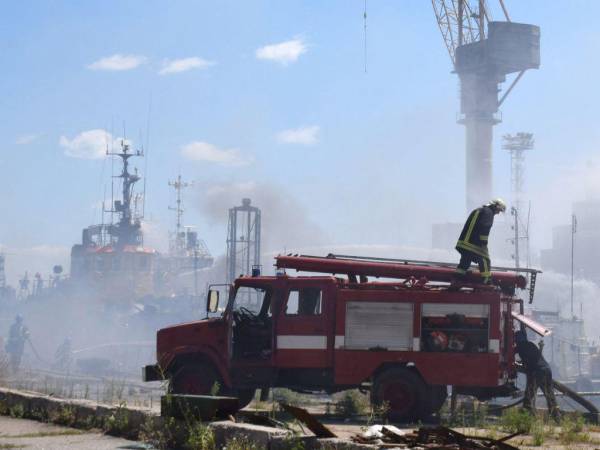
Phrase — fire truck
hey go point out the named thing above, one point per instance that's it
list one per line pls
(402, 329)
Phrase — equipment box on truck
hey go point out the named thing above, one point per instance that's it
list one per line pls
(400, 328)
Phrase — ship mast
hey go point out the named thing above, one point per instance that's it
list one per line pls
(178, 185)
(127, 230)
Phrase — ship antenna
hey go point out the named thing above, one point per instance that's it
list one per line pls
(112, 170)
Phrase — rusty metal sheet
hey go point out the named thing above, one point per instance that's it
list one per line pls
(319, 430)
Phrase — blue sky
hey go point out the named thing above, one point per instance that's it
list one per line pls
(369, 158)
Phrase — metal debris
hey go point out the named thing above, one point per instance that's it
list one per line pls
(319, 430)
(439, 438)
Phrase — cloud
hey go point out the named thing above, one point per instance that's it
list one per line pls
(90, 144)
(284, 53)
(184, 64)
(26, 139)
(203, 151)
(118, 62)
(302, 135)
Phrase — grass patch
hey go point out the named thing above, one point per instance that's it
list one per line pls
(515, 420)
(351, 403)
(17, 411)
(539, 433)
(571, 430)
(242, 443)
(11, 446)
(201, 437)
(287, 396)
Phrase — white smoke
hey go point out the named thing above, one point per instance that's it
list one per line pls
(553, 293)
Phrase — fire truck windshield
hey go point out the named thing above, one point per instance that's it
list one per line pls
(251, 299)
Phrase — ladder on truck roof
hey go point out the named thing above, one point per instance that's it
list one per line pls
(362, 266)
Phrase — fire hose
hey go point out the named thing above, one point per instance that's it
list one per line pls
(35, 352)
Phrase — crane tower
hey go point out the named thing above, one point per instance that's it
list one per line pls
(483, 53)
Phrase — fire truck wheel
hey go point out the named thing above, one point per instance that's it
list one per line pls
(438, 396)
(404, 394)
(195, 379)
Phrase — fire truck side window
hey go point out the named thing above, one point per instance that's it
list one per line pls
(252, 328)
(251, 299)
(304, 302)
(454, 328)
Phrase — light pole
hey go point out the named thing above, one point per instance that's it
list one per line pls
(573, 231)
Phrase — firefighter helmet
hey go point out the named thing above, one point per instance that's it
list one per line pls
(499, 204)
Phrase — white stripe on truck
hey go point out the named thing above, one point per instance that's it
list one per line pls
(299, 342)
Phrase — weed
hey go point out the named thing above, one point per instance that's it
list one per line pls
(64, 416)
(293, 443)
(118, 422)
(282, 395)
(352, 403)
(378, 412)
(242, 443)
(89, 423)
(215, 388)
(538, 433)
(17, 411)
(571, 430)
(201, 437)
(40, 414)
(515, 420)
(160, 438)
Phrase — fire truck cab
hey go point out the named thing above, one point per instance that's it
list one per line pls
(400, 329)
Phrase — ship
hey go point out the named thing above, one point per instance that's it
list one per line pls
(112, 260)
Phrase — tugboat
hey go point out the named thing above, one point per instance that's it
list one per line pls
(120, 270)
(112, 259)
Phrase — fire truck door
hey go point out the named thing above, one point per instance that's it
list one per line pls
(302, 332)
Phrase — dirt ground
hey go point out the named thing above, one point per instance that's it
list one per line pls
(113, 390)
(29, 434)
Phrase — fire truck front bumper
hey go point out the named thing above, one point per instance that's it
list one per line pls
(152, 372)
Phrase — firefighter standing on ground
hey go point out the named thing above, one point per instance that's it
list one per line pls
(538, 374)
(15, 345)
(473, 240)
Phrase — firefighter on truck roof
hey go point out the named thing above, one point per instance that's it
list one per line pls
(473, 240)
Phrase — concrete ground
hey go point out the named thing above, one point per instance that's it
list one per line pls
(29, 434)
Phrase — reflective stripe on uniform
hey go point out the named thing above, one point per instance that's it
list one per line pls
(483, 238)
(486, 269)
(473, 248)
(471, 226)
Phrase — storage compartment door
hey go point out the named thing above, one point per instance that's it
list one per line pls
(379, 325)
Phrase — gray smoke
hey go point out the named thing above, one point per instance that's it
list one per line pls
(285, 222)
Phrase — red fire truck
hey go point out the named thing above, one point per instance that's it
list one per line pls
(399, 328)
